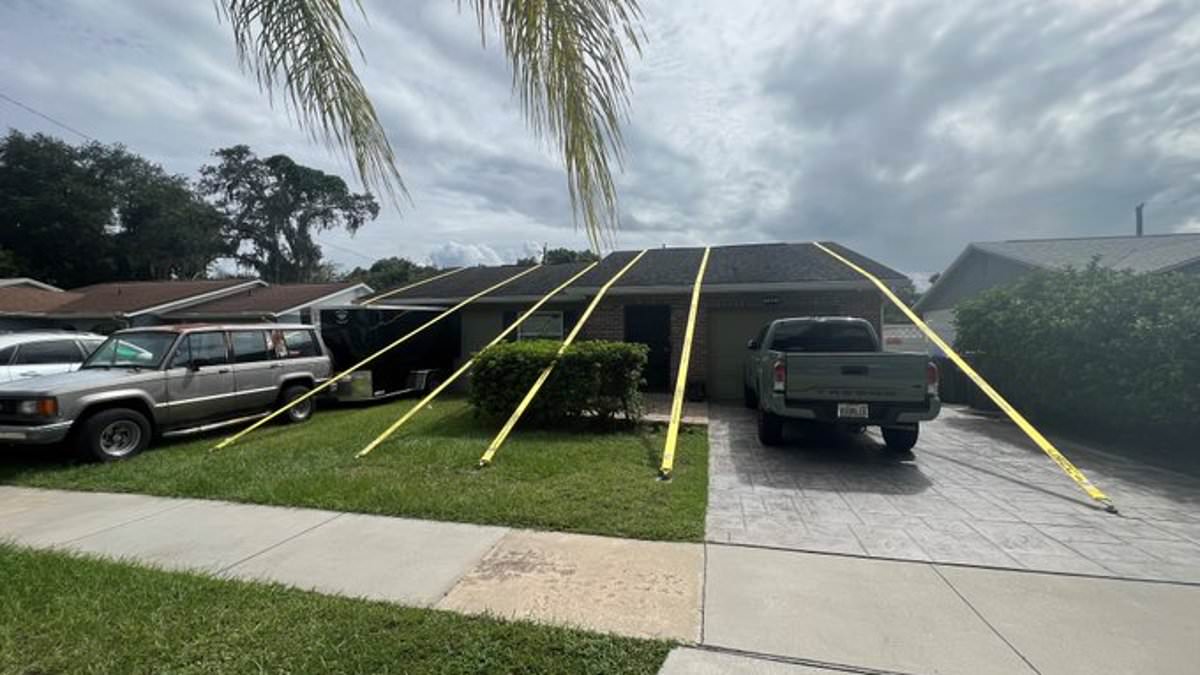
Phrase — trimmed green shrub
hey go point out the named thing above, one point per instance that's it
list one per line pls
(1094, 349)
(592, 378)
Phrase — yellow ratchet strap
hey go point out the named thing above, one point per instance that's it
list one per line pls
(467, 366)
(545, 374)
(328, 383)
(1030, 431)
(668, 458)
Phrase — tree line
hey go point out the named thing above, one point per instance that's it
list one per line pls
(73, 215)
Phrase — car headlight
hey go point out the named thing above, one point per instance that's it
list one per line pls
(40, 407)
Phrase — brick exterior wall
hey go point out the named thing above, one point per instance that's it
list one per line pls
(608, 321)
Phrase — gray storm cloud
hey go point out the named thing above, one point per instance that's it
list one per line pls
(903, 130)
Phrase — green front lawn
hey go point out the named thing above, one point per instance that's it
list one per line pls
(600, 483)
(64, 614)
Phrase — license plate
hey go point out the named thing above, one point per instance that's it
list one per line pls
(856, 411)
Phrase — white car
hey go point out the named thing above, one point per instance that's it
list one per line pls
(25, 355)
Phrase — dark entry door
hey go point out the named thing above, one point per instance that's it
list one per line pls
(651, 326)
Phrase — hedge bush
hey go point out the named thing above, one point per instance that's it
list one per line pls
(1094, 349)
(592, 378)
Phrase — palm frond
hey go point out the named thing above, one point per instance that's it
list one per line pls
(572, 76)
(569, 68)
(303, 47)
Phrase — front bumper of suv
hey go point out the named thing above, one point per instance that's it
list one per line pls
(37, 434)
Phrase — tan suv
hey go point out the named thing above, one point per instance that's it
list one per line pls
(166, 381)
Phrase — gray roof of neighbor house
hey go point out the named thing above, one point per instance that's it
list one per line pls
(1150, 253)
(664, 268)
(266, 300)
(1145, 254)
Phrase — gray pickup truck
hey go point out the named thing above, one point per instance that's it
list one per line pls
(831, 370)
(164, 381)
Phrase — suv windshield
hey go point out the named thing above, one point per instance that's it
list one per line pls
(138, 350)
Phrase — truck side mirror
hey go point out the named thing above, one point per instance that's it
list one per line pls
(752, 344)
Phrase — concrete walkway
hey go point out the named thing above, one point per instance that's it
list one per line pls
(746, 609)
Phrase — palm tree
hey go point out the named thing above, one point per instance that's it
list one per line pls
(569, 71)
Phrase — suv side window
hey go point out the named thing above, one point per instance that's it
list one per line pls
(249, 346)
(6, 354)
(300, 344)
(205, 349)
(50, 351)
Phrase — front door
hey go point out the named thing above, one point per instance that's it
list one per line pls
(651, 326)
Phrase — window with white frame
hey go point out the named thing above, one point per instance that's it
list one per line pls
(542, 326)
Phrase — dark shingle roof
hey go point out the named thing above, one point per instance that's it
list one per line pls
(264, 299)
(133, 296)
(743, 264)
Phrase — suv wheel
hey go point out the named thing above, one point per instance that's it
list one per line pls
(302, 410)
(770, 428)
(900, 439)
(114, 434)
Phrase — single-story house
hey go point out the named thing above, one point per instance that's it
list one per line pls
(984, 265)
(284, 303)
(745, 286)
(107, 307)
(110, 306)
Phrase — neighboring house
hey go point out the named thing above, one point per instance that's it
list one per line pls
(107, 307)
(287, 303)
(24, 307)
(104, 308)
(745, 287)
(985, 265)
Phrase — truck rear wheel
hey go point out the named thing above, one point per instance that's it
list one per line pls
(900, 439)
(770, 428)
(114, 434)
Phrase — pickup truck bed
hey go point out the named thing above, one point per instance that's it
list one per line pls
(831, 370)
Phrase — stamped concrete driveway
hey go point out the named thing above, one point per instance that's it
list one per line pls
(974, 492)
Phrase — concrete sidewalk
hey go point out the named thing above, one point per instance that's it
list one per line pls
(750, 609)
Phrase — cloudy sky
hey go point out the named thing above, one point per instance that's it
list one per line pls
(901, 129)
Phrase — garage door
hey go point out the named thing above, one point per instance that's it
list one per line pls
(728, 331)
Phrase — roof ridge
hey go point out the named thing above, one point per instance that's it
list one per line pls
(1161, 235)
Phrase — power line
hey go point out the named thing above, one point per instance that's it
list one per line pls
(346, 249)
(45, 117)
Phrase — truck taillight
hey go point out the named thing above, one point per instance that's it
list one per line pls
(931, 378)
(780, 371)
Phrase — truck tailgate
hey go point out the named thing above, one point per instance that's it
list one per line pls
(856, 377)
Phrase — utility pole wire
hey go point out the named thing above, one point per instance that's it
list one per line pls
(46, 117)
